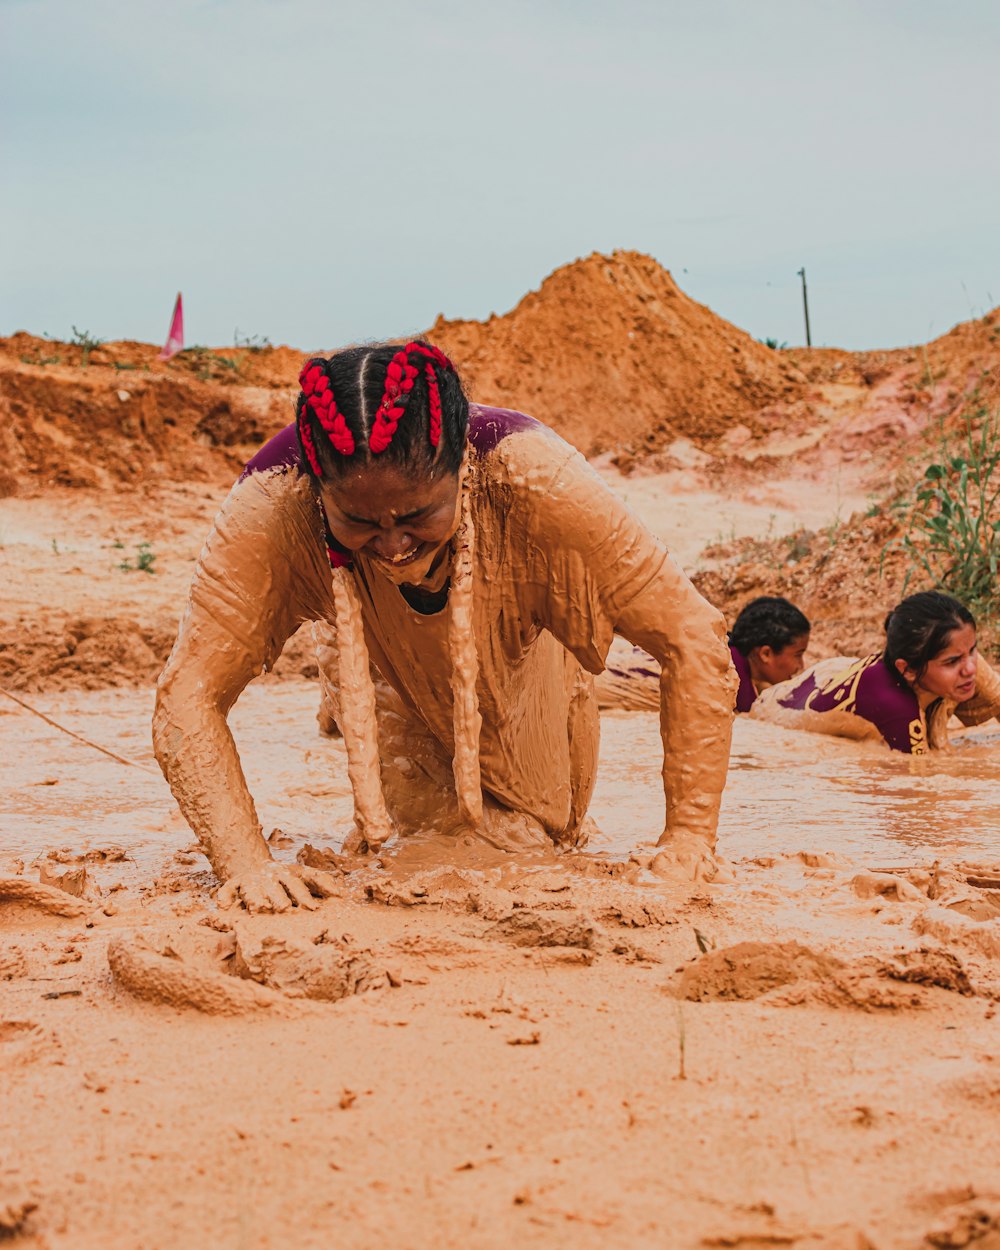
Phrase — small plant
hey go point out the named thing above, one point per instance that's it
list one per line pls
(86, 342)
(799, 545)
(954, 529)
(55, 547)
(252, 342)
(143, 562)
(773, 344)
(207, 365)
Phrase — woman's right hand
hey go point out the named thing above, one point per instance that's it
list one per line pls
(271, 887)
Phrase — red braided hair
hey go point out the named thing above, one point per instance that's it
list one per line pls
(308, 446)
(399, 379)
(317, 394)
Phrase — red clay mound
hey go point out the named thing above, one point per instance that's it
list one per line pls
(612, 354)
(124, 417)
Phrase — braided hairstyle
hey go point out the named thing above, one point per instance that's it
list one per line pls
(769, 621)
(404, 404)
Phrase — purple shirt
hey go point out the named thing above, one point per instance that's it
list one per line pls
(865, 688)
(746, 694)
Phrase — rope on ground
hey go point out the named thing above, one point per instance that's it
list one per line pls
(79, 737)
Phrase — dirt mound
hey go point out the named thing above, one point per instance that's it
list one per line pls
(119, 417)
(612, 354)
(842, 577)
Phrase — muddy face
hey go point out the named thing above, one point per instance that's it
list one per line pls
(952, 672)
(771, 666)
(400, 521)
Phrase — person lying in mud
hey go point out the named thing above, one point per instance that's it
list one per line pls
(767, 642)
(466, 571)
(905, 694)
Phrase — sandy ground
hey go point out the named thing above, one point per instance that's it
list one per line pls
(463, 1050)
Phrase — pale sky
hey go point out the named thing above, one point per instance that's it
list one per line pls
(323, 172)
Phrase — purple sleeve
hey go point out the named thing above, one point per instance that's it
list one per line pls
(866, 689)
(280, 452)
(490, 426)
(746, 694)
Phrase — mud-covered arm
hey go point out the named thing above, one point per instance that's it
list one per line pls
(671, 620)
(259, 576)
(597, 571)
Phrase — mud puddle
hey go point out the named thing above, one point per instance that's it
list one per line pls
(787, 791)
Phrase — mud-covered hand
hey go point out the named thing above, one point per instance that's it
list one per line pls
(688, 858)
(276, 887)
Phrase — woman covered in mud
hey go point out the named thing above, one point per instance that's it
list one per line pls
(767, 644)
(904, 695)
(465, 570)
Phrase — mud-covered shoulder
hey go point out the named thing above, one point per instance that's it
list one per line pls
(262, 572)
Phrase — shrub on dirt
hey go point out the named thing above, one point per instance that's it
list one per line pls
(952, 531)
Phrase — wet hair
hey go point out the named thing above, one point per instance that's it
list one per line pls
(918, 629)
(400, 403)
(403, 405)
(768, 622)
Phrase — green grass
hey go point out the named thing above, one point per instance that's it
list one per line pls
(87, 342)
(143, 562)
(952, 533)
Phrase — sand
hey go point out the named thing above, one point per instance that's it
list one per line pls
(558, 1050)
(464, 1048)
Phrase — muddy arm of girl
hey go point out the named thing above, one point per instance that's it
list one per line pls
(598, 571)
(244, 605)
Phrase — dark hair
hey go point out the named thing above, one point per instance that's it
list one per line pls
(917, 629)
(402, 404)
(768, 622)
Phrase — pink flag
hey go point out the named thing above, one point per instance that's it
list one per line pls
(175, 339)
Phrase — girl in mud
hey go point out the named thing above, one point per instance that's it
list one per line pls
(767, 644)
(904, 695)
(473, 560)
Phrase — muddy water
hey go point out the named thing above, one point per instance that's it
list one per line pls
(787, 791)
(793, 791)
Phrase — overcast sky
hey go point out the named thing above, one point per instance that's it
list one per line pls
(321, 172)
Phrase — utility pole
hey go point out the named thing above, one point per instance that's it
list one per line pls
(805, 305)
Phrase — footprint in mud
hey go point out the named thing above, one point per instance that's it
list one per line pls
(245, 969)
(791, 974)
